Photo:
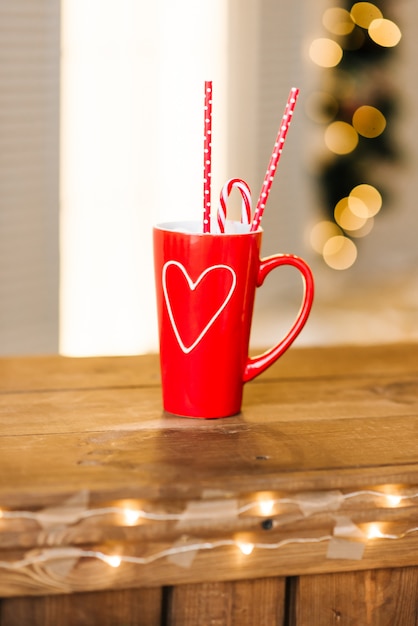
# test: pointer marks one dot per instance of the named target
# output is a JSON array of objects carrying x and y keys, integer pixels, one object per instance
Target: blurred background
[{"x": 101, "y": 136}]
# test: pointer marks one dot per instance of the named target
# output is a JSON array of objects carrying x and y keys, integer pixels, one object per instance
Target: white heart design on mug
[{"x": 193, "y": 285}]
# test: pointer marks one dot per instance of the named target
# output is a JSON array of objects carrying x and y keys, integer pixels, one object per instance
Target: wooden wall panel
[
  {"x": 385, "y": 597},
  {"x": 132, "y": 607},
  {"x": 242, "y": 603}
]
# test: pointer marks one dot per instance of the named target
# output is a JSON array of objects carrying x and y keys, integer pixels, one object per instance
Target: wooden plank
[
  {"x": 103, "y": 442},
  {"x": 386, "y": 597},
  {"x": 140, "y": 408},
  {"x": 130, "y": 607},
  {"x": 242, "y": 603},
  {"x": 207, "y": 457},
  {"x": 166, "y": 567},
  {"x": 57, "y": 372}
]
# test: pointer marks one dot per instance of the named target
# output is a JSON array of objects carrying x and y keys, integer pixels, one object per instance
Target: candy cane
[{"x": 241, "y": 185}]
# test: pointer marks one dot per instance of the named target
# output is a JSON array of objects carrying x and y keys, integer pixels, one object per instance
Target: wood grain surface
[
  {"x": 371, "y": 598},
  {"x": 81, "y": 435}
]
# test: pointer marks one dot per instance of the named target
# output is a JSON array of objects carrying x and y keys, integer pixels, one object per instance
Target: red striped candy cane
[{"x": 241, "y": 185}]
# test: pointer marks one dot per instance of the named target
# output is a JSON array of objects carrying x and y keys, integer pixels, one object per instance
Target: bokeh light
[
  {"x": 369, "y": 121},
  {"x": 363, "y": 13},
  {"x": 345, "y": 217},
  {"x": 351, "y": 48},
  {"x": 338, "y": 21},
  {"x": 385, "y": 33},
  {"x": 358, "y": 207},
  {"x": 341, "y": 138},
  {"x": 365, "y": 199},
  {"x": 339, "y": 252},
  {"x": 321, "y": 232},
  {"x": 364, "y": 230},
  {"x": 325, "y": 52}
]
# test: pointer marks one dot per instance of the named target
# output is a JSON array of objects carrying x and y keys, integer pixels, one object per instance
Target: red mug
[{"x": 205, "y": 287}]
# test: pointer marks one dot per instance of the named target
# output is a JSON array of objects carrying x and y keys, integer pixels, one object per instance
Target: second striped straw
[{"x": 277, "y": 151}]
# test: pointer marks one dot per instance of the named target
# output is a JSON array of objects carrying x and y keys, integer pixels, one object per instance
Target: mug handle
[{"x": 257, "y": 365}]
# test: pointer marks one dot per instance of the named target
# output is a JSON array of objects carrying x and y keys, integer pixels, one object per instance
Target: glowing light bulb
[
  {"x": 266, "y": 507},
  {"x": 373, "y": 532},
  {"x": 113, "y": 560},
  {"x": 393, "y": 500},
  {"x": 131, "y": 516},
  {"x": 246, "y": 548}
]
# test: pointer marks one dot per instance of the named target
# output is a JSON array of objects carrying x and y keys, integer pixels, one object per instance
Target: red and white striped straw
[
  {"x": 277, "y": 151},
  {"x": 241, "y": 185},
  {"x": 207, "y": 156}
]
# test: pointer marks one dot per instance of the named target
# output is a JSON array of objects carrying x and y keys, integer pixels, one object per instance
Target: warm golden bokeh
[
  {"x": 365, "y": 198},
  {"x": 340, "y": 252},
  {"x": 325, "y": 52},
  {"x": 321, "y": 232},
  {"x": 364, "y": 230},
  {"x": 369, "y": 121},
  {"x": 385, "y": 33},
  {"x": 363, "y": 13},
  {"x": 338, "y": 21},
  {"x": 341, "y": 138},
  {"x": 350, "y": 30},
  {"x": 345, "y": 217}
]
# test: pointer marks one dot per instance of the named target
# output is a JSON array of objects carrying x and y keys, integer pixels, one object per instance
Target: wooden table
[{"x": 114, "y": 514}]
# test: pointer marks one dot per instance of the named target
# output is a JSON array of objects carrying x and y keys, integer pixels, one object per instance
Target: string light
[
  {"x": 394, "y": 500},
  {"x": 266, "y": 507},
  {"x": 261, "y": 505},
  {"x": 374, "y": 532},
  {"x": 131, "y": 516},
  {"x": 113, "y": 560},
  {"x": 246, "y": 548}
]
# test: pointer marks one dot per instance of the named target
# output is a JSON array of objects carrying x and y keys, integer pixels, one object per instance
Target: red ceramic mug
[{"x": 205, "y": 285}]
